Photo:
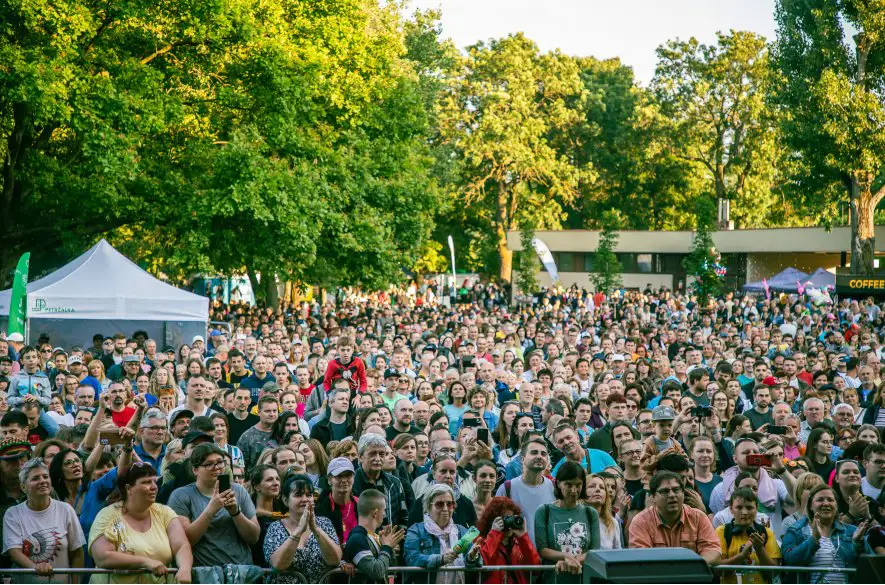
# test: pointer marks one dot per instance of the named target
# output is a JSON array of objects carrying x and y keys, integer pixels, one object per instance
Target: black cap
[
  {"x": 180, "y": 413},
  {"x": 195, "y": 436},
  {"x": 391, "y": 373}
]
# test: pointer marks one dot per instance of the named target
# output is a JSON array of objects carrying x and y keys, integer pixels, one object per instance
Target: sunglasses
[{"x": 444, "y": 505}]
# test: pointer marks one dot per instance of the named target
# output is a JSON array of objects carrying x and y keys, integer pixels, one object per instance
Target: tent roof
[
  {"x": 104, "y": 284},
  {"x": 820, "y": 278},
  {"x": 787, "y": 279}
]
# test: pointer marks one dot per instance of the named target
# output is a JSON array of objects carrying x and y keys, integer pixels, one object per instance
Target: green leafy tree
[
  {"x": 606, "y": 275},
  {"x": 702, "y": 262},
  {"x": 288, "y": 140},
  {"x": 626, "y": 140},
  {"x": 527, "y": 262},
  {"x": 715, "y": 99},
  {"x": 831, "y": 55},
  {"x": 504, "y": 105}
]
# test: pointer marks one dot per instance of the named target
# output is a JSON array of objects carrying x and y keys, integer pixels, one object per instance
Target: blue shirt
[
  {"x": 144, "y": 456},
  {"x": 95, "y": 502},
  {"x": 594, "y": 461}
]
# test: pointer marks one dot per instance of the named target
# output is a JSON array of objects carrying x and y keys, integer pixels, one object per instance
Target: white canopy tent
[{"x": 102, "y": 291}]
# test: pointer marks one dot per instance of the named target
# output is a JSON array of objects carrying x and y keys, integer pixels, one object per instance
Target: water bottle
[{"x": 464, "y": 543}]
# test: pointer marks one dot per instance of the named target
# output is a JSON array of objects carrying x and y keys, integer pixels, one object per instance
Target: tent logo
[{"x": 40, "y": 307}]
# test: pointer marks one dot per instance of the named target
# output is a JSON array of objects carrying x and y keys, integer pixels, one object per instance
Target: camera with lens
[
  {"x": 513, "y": 522},
  {"x": 702, "y": 411}
]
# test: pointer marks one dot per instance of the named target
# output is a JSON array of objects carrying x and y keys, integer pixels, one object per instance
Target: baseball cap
[
  {"x": 616, "y": 357},
  {"x": 180, "y": 413},
  {"x": 75, "y": 359},
  {"x": 196, "y": 437},
  {"x": 131, "y": 358},
  {"x": 12, "y": 449},
  {"x": 198, "y": 338},
  {"x": 599, "y": 356},
  {"x": 339, "y": 465},
  {"x": 391, "y": 373},
  {"x": 663, "y": 413},
  {"x": 16, "y": 337}
]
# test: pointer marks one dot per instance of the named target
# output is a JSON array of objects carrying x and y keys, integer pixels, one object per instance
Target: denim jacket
[
  {"x": 421, "y": 549},
  {"x": 798, "y": 547}
]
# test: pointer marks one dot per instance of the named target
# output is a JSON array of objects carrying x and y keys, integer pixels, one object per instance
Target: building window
[
  {"x": 588, "y": 261},
  {"x": 644, "y": 263},
  {"x": 566, "y": 262}
]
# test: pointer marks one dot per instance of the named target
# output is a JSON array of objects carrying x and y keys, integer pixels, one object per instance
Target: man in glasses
[
  {"x": 670, "y": 523},
  {"x": 152, "y": 447}
]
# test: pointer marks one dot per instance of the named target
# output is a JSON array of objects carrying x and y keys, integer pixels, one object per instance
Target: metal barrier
[
  {"x": 532, "y": 570},
  {"x": 169, "y": 577},
  {"x": 741, "y": 570}
]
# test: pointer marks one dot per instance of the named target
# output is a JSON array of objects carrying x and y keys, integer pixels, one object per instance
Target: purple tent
[
  {"x": 821, "y": 279},
  {"x": 786, "y": 280}
]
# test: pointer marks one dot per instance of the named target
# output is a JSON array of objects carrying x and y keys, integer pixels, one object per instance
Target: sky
[{"x": 629, "y": 29}]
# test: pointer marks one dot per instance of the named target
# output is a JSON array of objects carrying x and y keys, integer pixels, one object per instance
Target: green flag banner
[{"x": 18, "y": 303}]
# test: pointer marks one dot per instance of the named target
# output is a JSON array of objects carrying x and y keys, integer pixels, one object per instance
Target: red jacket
[
  {"x": 520, "y": 552},
  {"x": 354, "y": 372}
]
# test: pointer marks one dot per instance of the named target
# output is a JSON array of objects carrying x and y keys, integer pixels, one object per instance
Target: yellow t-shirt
[
  {"x": 737, "y": 541},
  {"x": 153, "y": 544}
]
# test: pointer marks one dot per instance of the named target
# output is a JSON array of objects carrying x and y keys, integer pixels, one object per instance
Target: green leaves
[
  {"x": 500, "y": 119},
  {"x": 833, "y": 87}
]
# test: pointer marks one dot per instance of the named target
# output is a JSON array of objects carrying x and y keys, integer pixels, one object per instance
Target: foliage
[
  {"x": 279, "y": 138},
  {"x": 622, "y": 137},
  {"x": 606, "y": 275},
  {"x": 833, "y": 87},
  {"x": 715, "y": 99},
  {"x": 703, "y": 261},
  {"x": 498, "y": 117},
  {"x": 527, "y": 262}
]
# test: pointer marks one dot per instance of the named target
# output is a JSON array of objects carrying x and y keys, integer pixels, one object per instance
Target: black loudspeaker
[
  {"x": 646, "y": 565},
  {"x": 870, "y": 569}
]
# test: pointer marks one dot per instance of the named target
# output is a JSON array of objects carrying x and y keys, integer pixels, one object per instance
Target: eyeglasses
[
  {"x": 156, "y": 428},
  {"x": 214, "y": 464},
  {"x": 631, "y": 453},
  {"x": 444, "y": 505},
  {"x": 72, "y": 462},
  {"x": 668, "y": 491}
]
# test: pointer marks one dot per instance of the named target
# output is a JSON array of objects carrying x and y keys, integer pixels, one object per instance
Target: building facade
[{"x": 656, "y": 257}]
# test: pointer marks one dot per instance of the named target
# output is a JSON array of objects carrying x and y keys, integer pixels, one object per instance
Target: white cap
[
  {"x": 16, "y": 337},
  {"x": 616, "y": 357},
  {"x": 198, "y": 338}
]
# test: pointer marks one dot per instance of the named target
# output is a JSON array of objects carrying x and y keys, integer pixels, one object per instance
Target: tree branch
[{"x": 164, "y": 50}]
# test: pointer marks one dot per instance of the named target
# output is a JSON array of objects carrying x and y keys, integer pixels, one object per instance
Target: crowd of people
[{"x": 414, "y": 429}]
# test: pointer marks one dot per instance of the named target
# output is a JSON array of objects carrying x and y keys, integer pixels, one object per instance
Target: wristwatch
[{"x": 237, "y": 513}]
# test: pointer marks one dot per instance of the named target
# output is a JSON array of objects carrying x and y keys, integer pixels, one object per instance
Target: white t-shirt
[
  {"x": 206, "y": 411},
  {"x": 868, "y": 490},
  {"x": 46, "y": 536},
  {"x": 529, "y": 499}
]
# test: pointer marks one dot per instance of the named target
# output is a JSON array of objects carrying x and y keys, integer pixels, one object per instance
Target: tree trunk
[
  {"x": 272, "y": 291},
  {"x": 863, "y": 231},
  {"x": 257, "y": 291},
  {"x": 502, "y": 224}
]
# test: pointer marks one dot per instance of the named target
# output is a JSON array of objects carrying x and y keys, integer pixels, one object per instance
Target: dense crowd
[{"x": 431, "y": 430}]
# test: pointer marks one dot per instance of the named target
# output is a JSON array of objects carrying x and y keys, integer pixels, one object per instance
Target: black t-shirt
[
  {"x": 235, "y": 379},
  {"x": 825, "y": 470},
  {"x": 338, "y": 430},
  {"x": 633, "y": 486},
  {"x": 392, "y": 433},
  {"x": 237, "y": 427}
]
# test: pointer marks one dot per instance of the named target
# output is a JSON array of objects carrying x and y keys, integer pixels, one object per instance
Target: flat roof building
[{"x": 656, "y": 257}]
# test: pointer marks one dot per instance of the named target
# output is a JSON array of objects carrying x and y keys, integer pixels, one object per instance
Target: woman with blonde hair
[
  {"x": 599, "y": 496},
  {"x": 315, "y": 460},
  {"x": 95, "y": 368}
]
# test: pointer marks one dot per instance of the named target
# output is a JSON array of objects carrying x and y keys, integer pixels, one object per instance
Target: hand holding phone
[
  {"x": 482, "y": 435},
  {"x": 223, "y": 483}
]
